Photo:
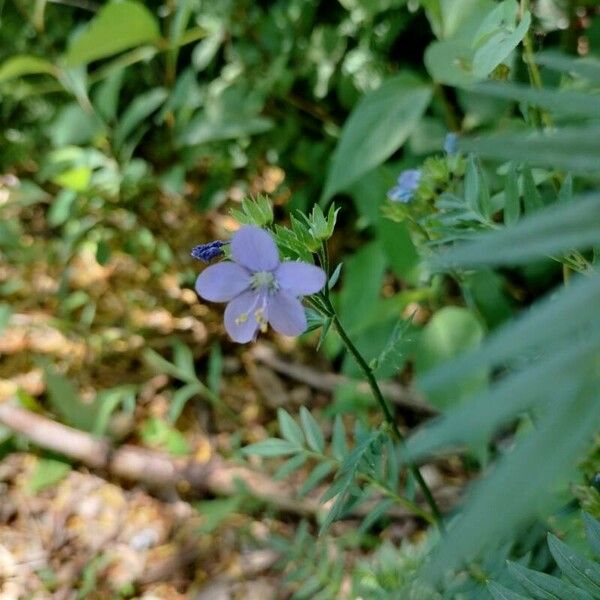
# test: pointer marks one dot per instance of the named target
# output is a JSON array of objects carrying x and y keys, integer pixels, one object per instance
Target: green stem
[
  {"x": 387, "y": 413},
  {"x": 541, "y": 116}
]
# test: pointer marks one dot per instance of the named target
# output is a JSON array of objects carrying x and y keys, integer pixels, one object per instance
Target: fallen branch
[
  {"x": 150, "y": 467},
  {"x": 327, "y": 382},
  {"x": 158, "y": 470}
]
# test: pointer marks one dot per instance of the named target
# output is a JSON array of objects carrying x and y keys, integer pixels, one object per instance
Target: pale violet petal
[
  {"x": 240, "y": 322},
  {"x": 300, "y": 278},
  {"x": 286, "y": 314},
  {"x": 255, "y": 249},
  {"x": 222, "y": 282}
]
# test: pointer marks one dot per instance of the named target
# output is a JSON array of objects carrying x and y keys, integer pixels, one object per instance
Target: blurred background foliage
[{"x": 130, "y": 130}]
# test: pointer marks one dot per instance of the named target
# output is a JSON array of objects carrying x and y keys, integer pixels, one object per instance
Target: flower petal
[
  {"x": 239, "y": 318},
  {"x": 300, "y": 278},
  {"x": 255, "y": 249},
  {"x": 222, "y": 282},
  {"x": 286, "y": 314}
]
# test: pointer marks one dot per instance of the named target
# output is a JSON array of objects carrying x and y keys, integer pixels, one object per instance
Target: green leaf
[
  {"x": 65, "y": 401},
  {"x": 215, "y": 512},
  {"x": 552, "y": 230},
  {"x": 140, "y": 109},
  {"x": 116, "y": 27},
  {"x": 592, "y": 529},
  {"x": 316, "y": 476},
  {"x": 544, "y": 586},
  {"x": 47, "y": 472},
  {"x": 450, "y": 62},
  {"x": 498, "y": 47},
  {"x": 575, "y": 149},
  {"x": 339, "y": 447},
  {"x": 106, "y": 97},
  {"x": 25, "y": 64},
  {"x": 377, "y": 127},
  {"x": 181, "y": 398},
  {"x": 271, "y": 447},
  {"x": 512, "y": 202},
  {"x": 159, "y": 434},
  {"x": 499, "y": 592},
  {"x": 290, "y": 465},
  {"x": 579, "y": 570},
  {"x": 289, "y": 429},
  {"x": 314, "y": 435},
  {"x": 524, "y": 479},
  {"x": 451, "y": 331}
]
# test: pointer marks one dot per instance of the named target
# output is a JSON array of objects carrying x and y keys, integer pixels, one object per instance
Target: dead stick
[{"x": 140, "y": 465}]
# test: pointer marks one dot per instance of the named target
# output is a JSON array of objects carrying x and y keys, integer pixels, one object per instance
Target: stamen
[{"x": 241, "y": 319}]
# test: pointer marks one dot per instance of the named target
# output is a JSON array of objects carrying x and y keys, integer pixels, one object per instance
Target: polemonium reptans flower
[
  {"x": 258, "y": 288},
  {"x": 451, "y": 143},
  {"x": 407, "y": 183},
  {"x": 206, "y": 252}
]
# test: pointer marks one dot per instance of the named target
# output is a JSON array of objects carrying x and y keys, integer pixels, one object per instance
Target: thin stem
[
  {"x": 541, "y": 116},
  {"x": 387, "y": 413}
]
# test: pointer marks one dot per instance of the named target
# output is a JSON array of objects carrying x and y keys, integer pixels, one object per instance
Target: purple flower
[
  {"x": 258, "y": 288},
  {"x": 451, "y": 143},
  {"x": 407, "y": 183},
  {"x": 206, "y": 252}
]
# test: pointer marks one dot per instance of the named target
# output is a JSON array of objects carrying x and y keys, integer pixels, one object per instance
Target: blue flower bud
[{"x": 206, "y": 252}]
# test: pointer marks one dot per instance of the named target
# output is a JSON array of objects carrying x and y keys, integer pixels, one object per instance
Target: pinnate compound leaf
[
  {"x": 579, "y": 570},
  {"x": 543, "y": 586},
  {"x": 499, "y": 592},
  {"x": 377, "y": 127}
]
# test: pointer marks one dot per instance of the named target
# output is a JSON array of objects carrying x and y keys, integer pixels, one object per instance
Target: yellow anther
[{"x": 241, "y": 319}]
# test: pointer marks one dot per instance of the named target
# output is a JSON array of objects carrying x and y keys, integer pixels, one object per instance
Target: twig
[
  {"x": 327, "y": 382},
  {"x": 158, "y": 470}
]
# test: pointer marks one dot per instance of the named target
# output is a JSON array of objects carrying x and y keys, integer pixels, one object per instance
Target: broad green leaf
[
  {"x": 271, "y": 447},
  {"x": 451, "y": 331},
  {"x": 579, "y": 570},
  {"x": 116, "y": 27},
  {"x": 451, "y": 62},
  {"x": 312, "y": 430},
  {"x": 289, "y": 429},
  {"x": 496, "y": 49},
  {"x": 543, "y": 586},
  {"x": 47, "y": 472},
  {"x": 377, "y": 127},
  {"x": 25, "y": 64},
  {"x": 543, "y": 326}
]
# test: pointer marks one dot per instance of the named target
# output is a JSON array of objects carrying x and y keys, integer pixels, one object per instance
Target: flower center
[{"x": 264, "y": 280}]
